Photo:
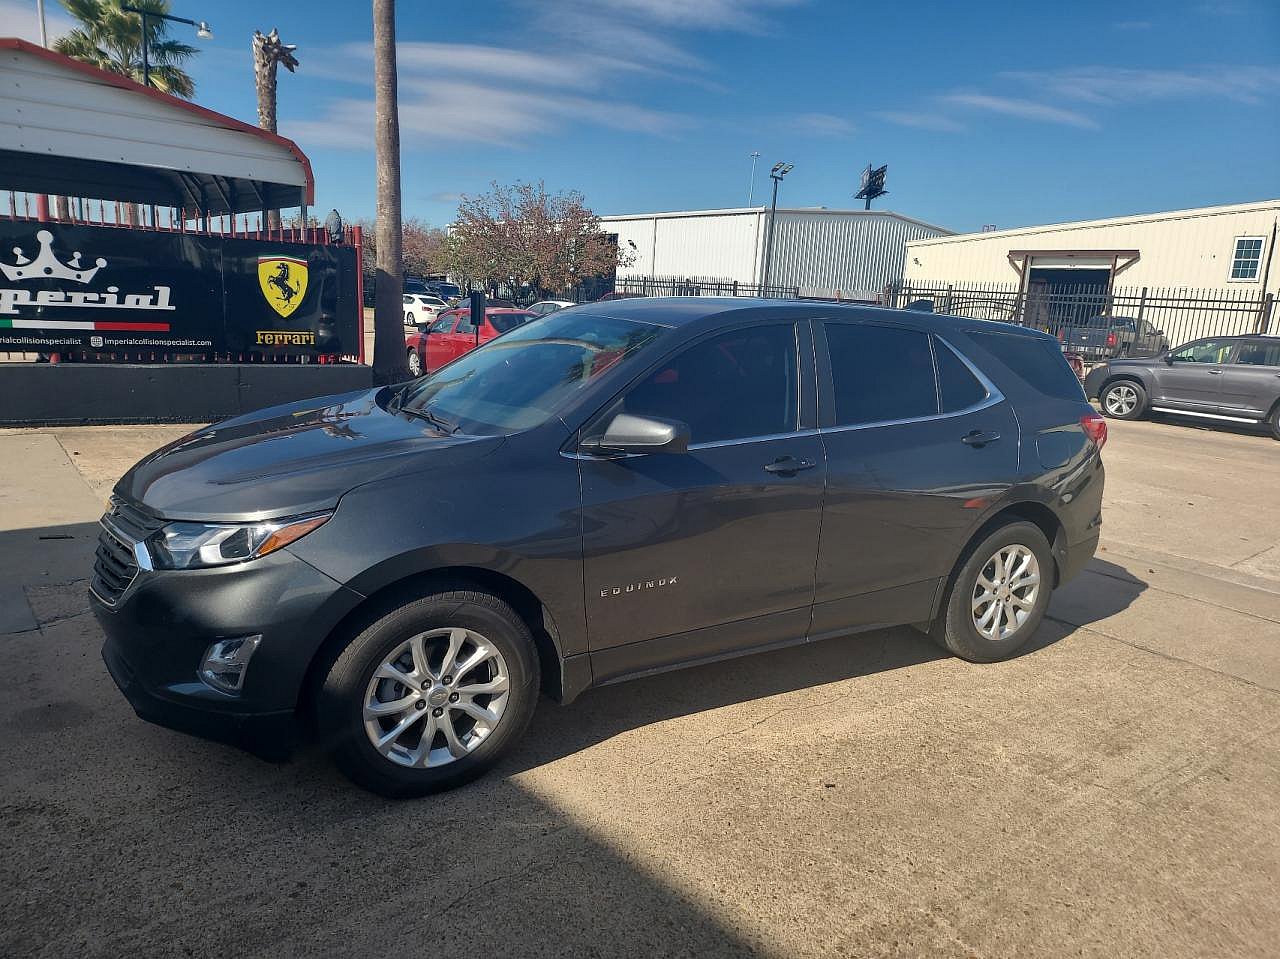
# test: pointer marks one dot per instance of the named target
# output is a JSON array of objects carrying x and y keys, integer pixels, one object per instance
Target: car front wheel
[
  {"x": 415, "y": 363},
  {"x": 1123, "y": 400},
  {"x": 998, "y": 595},
  {"x": 431, "y": 694}
]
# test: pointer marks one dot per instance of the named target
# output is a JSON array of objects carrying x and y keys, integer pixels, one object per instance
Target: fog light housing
[{"x": 226, "y": 662}]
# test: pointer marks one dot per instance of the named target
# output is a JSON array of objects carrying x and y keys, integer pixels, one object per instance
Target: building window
[{"x": 1246, "y": 262}]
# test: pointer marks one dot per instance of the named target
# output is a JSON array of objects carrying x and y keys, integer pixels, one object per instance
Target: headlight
[{"x": 197, "y": 545}]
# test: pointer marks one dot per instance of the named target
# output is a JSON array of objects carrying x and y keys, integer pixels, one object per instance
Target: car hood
[{"x": 292, "y": 459}]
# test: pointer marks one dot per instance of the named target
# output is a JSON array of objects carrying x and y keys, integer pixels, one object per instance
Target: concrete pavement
[{"x": 1112, "y": 792}]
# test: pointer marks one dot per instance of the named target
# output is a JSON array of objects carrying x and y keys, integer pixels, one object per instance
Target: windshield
[{"x": 522, "y": 378}]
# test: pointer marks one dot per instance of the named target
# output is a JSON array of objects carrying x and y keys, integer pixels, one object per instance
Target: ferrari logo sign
[{"x": 283, "y": 280}]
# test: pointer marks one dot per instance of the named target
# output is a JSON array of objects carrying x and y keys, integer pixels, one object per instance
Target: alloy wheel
[
  {"x": 1121, "y": 400},
  {"x": 415, "y": 363},
  {"x": 436, "y": 698},
  {"x": 1005, "y": 592}
]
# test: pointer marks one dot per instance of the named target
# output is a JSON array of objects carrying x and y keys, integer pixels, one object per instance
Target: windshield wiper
[{"x": 439, "y": 422}]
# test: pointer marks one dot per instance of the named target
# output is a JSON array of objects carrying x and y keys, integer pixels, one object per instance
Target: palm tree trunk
[
  {"x": 264, "y": 75},
  {"x": 389, "y": 364}
]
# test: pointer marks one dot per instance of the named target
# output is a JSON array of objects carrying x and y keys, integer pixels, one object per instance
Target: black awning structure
[{"x": 70, "y": 129}]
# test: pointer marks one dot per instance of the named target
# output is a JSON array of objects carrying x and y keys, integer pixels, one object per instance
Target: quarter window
[
  {"x": 958, "y": 388},
  {"x": 880, "y": 373},
  {"x": 1246, "y": 261},
  {"x": 733, "y": 386}
]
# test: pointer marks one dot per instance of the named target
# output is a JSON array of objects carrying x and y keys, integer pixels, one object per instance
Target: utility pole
[
  {"x": 751, "y": 190},
  {"x": 779, "y": 171}
]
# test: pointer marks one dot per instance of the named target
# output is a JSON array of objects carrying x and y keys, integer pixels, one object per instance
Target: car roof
[{"x": 714, "y": 311}]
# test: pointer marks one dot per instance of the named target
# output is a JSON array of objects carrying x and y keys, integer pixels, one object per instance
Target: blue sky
[{"x": 1005, "y": 113}]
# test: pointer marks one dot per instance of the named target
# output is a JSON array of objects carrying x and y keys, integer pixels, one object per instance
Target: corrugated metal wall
[
  {"x": 825, "y": 253},
  {"x": 852, "y": 255}
]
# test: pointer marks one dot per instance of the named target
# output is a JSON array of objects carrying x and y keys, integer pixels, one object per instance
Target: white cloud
[
  {"x": 822, "y": 125},
  {"x": 921, "y": 121},
  {"x": 1132, "y": 25},
  {"x": 1022, "y": 109},
  {"x": 1109, "y": 85},
  {"x": 18, "y": 19},
  {"x": 432, "y": 112}
]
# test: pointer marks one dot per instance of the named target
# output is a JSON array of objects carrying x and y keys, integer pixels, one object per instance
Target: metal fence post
[
  {"x": 1264, "y": 313},
  {"x": 1142, "y": 303}
]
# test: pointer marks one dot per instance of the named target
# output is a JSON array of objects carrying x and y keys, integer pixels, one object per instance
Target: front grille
[{"x": 115, "y": 567}]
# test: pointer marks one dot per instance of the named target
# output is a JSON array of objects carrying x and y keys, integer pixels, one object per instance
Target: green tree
[{"x": 111, "y": 40}]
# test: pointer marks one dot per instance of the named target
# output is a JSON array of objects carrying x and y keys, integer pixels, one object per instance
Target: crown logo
[{"x": 48, "y": 266}]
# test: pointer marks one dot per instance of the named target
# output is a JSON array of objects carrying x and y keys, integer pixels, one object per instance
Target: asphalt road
[{"x": 1112, "y": 792}]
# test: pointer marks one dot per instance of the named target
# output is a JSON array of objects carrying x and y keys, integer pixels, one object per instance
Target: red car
[{"x": 452, "y": 334}]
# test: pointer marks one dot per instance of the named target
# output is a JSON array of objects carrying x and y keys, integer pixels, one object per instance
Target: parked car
[
  {"x": 615, "y": 491},
  {"x": 446, "y": 291},
  {"x": 1234, "y": 378},
  {"x": 1075, "y": 361},
  {"x": 543, "y": 307},
  {"x": 453, "y": 334},
  {"x": 1106, "y": 337},
  {"x": 422, "y": 308}
]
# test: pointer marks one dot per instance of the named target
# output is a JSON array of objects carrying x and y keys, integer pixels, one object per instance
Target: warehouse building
[
  {"x": 1205, "y": 270},
  {"x": 846, "y": 254}
]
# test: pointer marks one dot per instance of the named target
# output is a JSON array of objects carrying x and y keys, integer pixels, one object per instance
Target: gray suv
[
  {"x": 1231, "y": 378},
  {"x": 615, "y": 490}
]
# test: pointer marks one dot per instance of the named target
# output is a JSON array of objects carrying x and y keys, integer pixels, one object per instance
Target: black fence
[
  {"x": 1172, "y": 314},
  {"x": 696, "y": 286}
]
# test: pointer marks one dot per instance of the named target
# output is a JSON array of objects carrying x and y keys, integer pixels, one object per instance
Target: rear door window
[
  {"x": 1259, "y": 354},
  {"x": 880, "y": 373},
  {"x": 1037, "y": 361}
]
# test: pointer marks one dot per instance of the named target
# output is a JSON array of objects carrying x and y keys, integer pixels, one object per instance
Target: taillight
[
  {"x": 1095, "y": 427},
  {"x": 1062, "y": 335},
  {"x": 1111, "y": 339}
]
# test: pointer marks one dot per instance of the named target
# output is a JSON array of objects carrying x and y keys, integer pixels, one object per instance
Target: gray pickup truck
[{"x": 1109, "y": 337}]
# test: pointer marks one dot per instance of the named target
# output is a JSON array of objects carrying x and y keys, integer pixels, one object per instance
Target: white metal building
[
  {"x": 847, "y": 253},
  {"x": 1217, "y": 247}
]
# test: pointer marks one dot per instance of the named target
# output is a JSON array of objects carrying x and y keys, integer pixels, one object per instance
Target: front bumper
[{"x": 161, "y": 627}]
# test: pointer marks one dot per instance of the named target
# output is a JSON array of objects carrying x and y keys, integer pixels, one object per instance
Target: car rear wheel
[
  {"x": 408, "y": 319},
  {"x": 415, "y": 363},
  {"x": 431, "y": 694},
  {"x": 998, "y": 595},
  {"x": 1273, "y": 421},
  {"x": 1123, "y": 400}
]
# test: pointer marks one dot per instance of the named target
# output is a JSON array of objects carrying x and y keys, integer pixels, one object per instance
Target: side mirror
[
  {"x": 639, "y": 434},
  {"x": 1168, "y": 358}
]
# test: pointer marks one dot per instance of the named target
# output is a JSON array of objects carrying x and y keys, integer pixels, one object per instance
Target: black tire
[
  {"x": 1122, "y": 393},
  {"x": 414, "y": 362},
  {"x": 340, "y": 701},
  {"x": 408, "y": 319},
  {"x": 1273, "y": 422},
  {"x": 954, "y": 628}
]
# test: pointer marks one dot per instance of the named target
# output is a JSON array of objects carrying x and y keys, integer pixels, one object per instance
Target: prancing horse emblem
[{"x": 283, "y": 280}]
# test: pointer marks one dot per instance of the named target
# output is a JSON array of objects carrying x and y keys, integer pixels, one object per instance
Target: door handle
[
  {"x": 979, "y": 438},
  {"x": 786, "y": 465},
  {"x": 1215, "y": 372}
]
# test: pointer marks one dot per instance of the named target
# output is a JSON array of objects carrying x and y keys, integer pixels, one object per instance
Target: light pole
[
  {"x": 776, "y": 174},
  {"x": 751, "y": 190},
  {"x": 203, "y": 31}
]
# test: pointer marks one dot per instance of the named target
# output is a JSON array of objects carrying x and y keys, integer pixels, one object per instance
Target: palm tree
[
  {"x": 111, "y": 40},
  {"x": 389, "y": 358},
  {"x": 269, "y": 53}
]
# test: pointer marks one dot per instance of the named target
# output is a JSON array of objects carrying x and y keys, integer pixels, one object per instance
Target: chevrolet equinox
[{"x": 606, "y": 492}]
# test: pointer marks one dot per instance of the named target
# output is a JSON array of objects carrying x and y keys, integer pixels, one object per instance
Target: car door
[
  {"x": 439, "y": 350},
  {"x": 464, "y": 335},
  {"x": 1251, "y": 385},
  {"x": 695, "y": 555},
  {"x": 918, "y": 443},
  {"x": 1191, "y": 379}
]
